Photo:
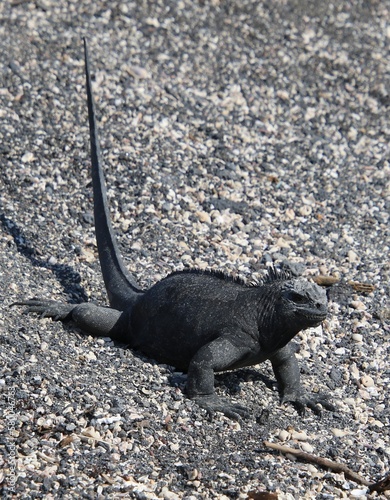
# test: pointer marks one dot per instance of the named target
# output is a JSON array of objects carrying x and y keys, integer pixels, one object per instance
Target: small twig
[
  {"x": 322, "y": 462},
  {"x": 379, "y": 486}
]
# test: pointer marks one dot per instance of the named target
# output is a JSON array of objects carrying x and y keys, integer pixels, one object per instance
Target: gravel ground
[{"x": 235, "y": 134}]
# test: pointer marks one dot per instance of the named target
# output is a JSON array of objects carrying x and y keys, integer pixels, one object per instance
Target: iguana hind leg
[{"x": 98, "y": 321}]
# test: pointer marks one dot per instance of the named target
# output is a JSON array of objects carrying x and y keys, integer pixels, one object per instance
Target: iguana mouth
[{"x": 316, "y": 318}]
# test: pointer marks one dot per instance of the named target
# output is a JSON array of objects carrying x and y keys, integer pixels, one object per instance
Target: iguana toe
[
  {"x": 46, "y": 308},
  {"x": 313, "y": 402},
  {"x": 212, "y": 403}
]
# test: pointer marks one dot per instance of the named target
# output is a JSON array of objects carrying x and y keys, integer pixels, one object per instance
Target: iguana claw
[
  {"x": 213, "y": 403},
  {"x": 313, "y": 401},
  {"x": 46, "y": 308}
]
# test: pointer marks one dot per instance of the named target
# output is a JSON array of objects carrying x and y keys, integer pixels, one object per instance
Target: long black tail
[{"x": 122, "y": 290}]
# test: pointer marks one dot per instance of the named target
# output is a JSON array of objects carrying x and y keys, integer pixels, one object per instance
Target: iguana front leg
[
  {"x": 219, "y": 355},
  {"x": 286, "y": 369},
  {"x": 98, "y": 321}
]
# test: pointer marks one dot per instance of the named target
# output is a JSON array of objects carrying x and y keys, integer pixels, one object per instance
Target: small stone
[
  {"x": 137, "y": 72},
  {"x": 354, "y": 371},
  {"x": 352, "y": 256},
  {"x": 352, "y": 134},
  {"x": 306, "y": 447},
  {"x": 90, "y": 356},
  {"x": 204, "y": 217},
  {"x": 169, "y": 495},
  {"x": 357, "y": 337},
  {"x": 284, "y": 435},
  {"x": 167, "y": 207},
  {"x": 290, "y": 213},
  {"x": 357, "y": 304},
  {"x": 367, "y": 381},
  {"x": 358, "y": 493},
  {"x": 258, "y": 243},
  {"x": 361, "y": 417},
  {"x": 377, "y": 423},
  {"x": 339, "y": 432},
  {"x": 52, "y": 261},
  {"x": 91, "y": 432},
  {"x": 282, "y": 94},
  {"x": 305, "y": 210},
  {"x": 364, "y": 394},
  {"x": 348, "y": 239},
  {"x": 152, "y": 21},
  {"x": 282, "y": 243},
  {"x": 299, "y": 436},
  {"x": 183, "y": 246},
  {"x": 87, "y": 255},
  {"x": 27, "y": 157},
  {"x": 125, "y": 226},
  {"x": 310, "y": 114},
  {"x": 192, "y": 474}
]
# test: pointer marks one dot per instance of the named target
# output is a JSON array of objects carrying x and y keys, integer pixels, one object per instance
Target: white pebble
[
  {"x": 357, "y": 304},
  {"x": 310, "y": 114},
  {"x": 169, "y": 495},
  {"x": 358, "y": 493},
  {"x": 305, "y": 210},
  {"x": 339, "y": 432},
  {"x": 306, "y": 447},
  {"x": 352, "y": 256},
  {"x": 367, "y": 381},
  {"x": 27, "y": 157},
  {"x": 203, "y": 217},
  {"x": 284, "y": 435},
  {"x": 348, "y": 239},
  {"x": 90, "y": 356},
  {"x": 299, "y": 436}
]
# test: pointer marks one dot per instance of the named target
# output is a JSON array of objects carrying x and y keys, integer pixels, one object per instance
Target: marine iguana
[{"x": 201, "y": 322}]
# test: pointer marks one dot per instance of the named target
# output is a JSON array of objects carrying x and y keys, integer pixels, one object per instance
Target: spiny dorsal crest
[{"x": 276, "y": 274}]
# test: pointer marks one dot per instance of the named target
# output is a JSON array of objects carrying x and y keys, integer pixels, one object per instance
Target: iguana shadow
[
  {"x": 66, "y": 276},
  {"x": 231, "y": 381}
]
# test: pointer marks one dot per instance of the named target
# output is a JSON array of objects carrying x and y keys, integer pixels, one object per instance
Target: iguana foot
[
  {"x": 313, "y": 401},
  {"x": 46, "y": 308},
  {"x": 211, "y": 403}
]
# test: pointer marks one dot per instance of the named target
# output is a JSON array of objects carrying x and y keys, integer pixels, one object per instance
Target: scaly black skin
[{"x": 200, "y": 322}]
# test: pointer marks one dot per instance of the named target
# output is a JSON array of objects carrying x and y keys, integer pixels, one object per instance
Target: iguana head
[{"x": 302, "y": 303}]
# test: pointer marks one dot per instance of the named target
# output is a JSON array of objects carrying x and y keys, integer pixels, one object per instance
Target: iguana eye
[{"x": 298, "y": 299}]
